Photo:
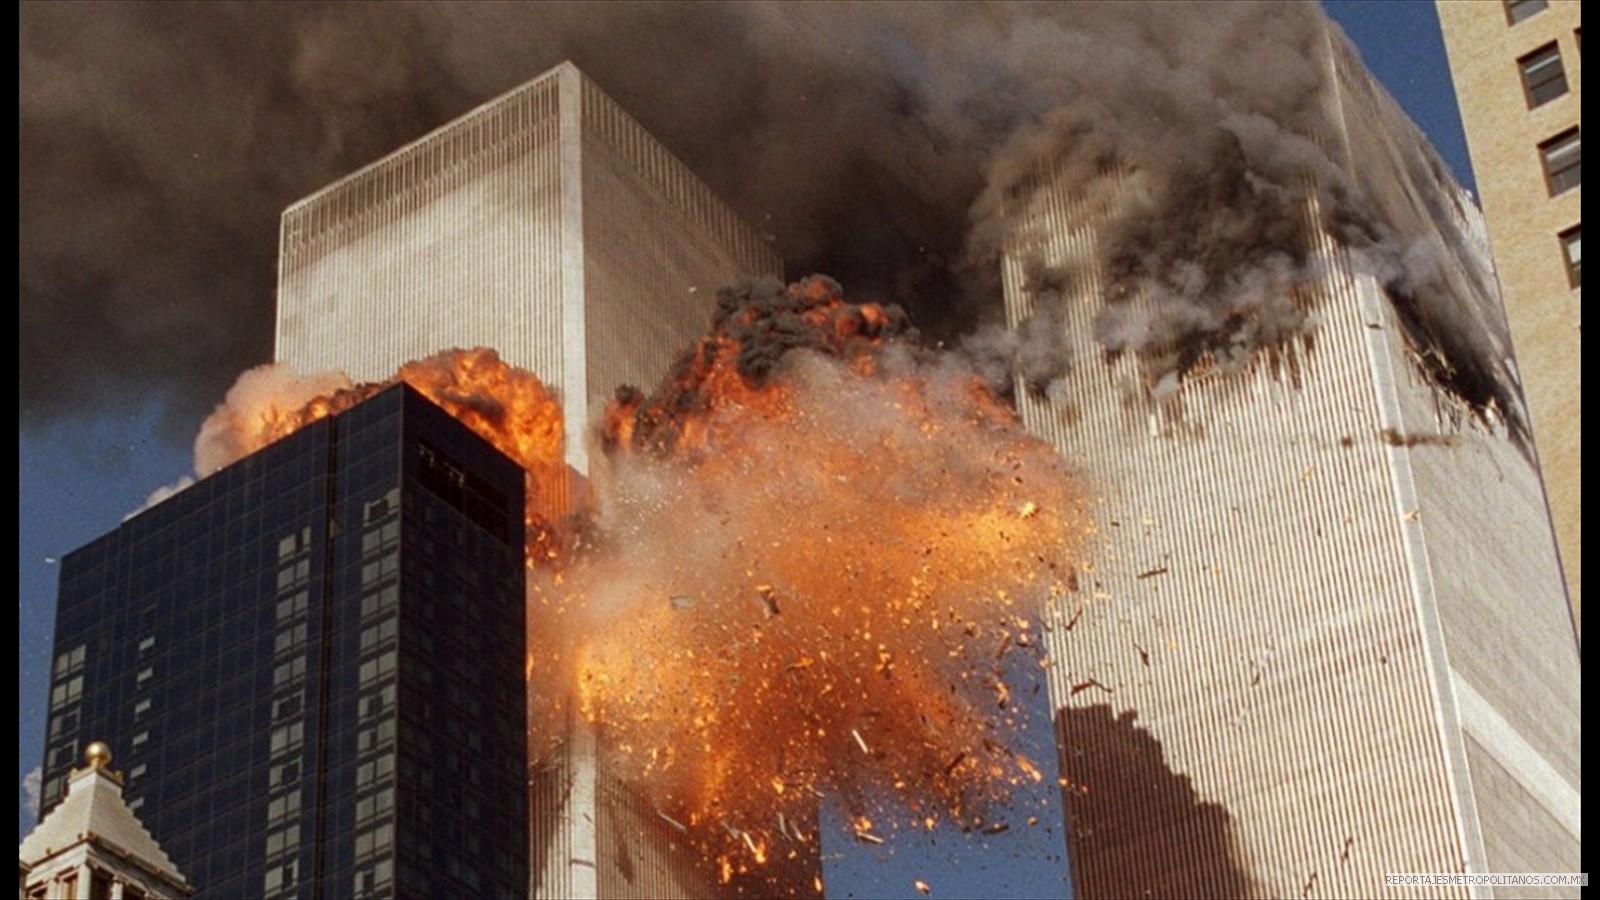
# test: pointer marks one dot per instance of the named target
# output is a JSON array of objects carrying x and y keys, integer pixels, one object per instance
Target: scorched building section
[
  {"x": 1326, "y": 589},
  {"x": 546, "y": 224}
]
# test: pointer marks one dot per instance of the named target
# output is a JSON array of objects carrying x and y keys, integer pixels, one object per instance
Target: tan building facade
[
  {"x": 1324, "y": 623},
  {"x": 1518, "y": 74}
]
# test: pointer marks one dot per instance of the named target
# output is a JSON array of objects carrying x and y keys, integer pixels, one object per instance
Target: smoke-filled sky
[{"x": 159, "y": 142}]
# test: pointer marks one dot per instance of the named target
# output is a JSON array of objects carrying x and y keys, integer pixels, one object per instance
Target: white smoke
[
  {"x": 271, "y": 390},
  {"x": 32, "y": 784}
]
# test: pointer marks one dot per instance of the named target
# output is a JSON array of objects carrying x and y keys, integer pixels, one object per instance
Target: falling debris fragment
[
  {"x": 922, "y": 886},
  {"x": 905, "y": 478},
  {"x": 860, "y": 741},
  {"x": 1027, "y": 766},
  {"x": 868, "y": 837},
  {"x": 769, "y": 599},
  {"x": 1151, "y": 573},
  {"x": 1082, "y": 686},
  {"x": 996, "y": 828}
]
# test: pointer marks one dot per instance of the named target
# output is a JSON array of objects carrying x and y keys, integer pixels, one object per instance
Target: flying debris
[
  {"x": 799, "y": 412},
  {"x": 860, "y": 741},
  {"x": 868, "y": 837},
  {"x": 769, "y": 600}
]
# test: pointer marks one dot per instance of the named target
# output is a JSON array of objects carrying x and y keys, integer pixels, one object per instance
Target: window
[
  {"x": 1520, "y": 10},
  {"x": 1543, "y": 78},
  {"x": 1572, "y": 249},
  {"x": 1562, "y": 156},
  {"x": 66, "y": 692},
  {"x": 71, "y": 661}
]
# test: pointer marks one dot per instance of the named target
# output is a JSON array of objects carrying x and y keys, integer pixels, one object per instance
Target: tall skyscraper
[
  {"x": 311, "y": 664},
  {"x": 1518, "y": 72},
  {"x": 548, "y": 225},
  {"x": 1324, "y": 636}
]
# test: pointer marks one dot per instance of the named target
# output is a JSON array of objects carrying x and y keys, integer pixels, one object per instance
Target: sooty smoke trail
[{"x": 877, "y": 142}]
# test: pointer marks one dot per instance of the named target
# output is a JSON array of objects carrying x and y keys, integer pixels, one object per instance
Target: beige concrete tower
[
  {"x": 1324, "y": 635},
  {"x": 1518, "y": 73},
  {"x": 546, "y": 224}
]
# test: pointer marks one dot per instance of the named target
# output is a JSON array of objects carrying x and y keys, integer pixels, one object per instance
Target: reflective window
[
  {"x": 1572, "y": 251},
  {"x": 1520, "y": 10},
  {"x": 1543, "y": 78},
  {"x": 1562, "y": 156}
]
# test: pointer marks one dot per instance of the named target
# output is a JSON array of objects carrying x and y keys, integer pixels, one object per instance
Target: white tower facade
[
  {"x": 1325, "y": 597},
  {"x": 546, "y": 224}
]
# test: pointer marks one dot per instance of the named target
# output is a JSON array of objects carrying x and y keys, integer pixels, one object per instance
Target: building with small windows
[
  {"x": 1518, "y": 71},
  {"x": 93, "y": 847},
  {"x": 1323, "y": 635},
  {"x": 311, "y": 663}
]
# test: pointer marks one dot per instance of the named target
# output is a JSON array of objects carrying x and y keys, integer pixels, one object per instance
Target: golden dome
[{"x": 98, "y": 755}]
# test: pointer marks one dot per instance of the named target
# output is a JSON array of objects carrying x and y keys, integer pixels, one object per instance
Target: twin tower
[{"x": 1322, "y": 635}]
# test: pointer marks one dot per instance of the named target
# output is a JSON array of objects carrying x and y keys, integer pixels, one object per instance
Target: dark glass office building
[{"x": 310, "y": 664}]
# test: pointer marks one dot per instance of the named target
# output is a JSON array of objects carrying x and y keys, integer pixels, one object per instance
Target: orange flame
[
  {"x": 813, "y": 558},
  {"x": 508, "y": 407},
  {"x": 804, "y": 564}
]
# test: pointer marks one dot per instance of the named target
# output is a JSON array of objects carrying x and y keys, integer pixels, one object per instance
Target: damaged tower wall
[
  {"x": 1325, "y": 589},
  {"x": 546, "y": 224}
]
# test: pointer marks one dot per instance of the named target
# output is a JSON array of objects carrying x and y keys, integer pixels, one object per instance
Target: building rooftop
[{"x": 95, "y": 813}]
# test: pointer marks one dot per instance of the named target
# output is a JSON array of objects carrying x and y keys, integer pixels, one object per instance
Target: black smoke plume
[{"x": 873, "y": 141}]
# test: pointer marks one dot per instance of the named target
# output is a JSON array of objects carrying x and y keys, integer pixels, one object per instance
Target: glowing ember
[
  {"x": 860, "y": 525},
  {"x": 508, "y": 407},
  {"x": 806, "y": 567}
]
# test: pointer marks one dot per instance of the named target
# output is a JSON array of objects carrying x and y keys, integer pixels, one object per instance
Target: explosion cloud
[
  {"x": 508, "y": 407},
  {"x": 812, "y": 563}
]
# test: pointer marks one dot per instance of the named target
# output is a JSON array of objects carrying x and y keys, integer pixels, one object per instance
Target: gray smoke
[{"x": 873, "y": 141}]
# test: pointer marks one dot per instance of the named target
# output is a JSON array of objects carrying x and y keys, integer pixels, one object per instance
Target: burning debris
[
  {"x": 805, "y": 442},
  {"x": 508, "y": 407}
]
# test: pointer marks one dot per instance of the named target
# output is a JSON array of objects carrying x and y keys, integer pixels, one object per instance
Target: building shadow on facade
[{"x": 1135, "y": 828}]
